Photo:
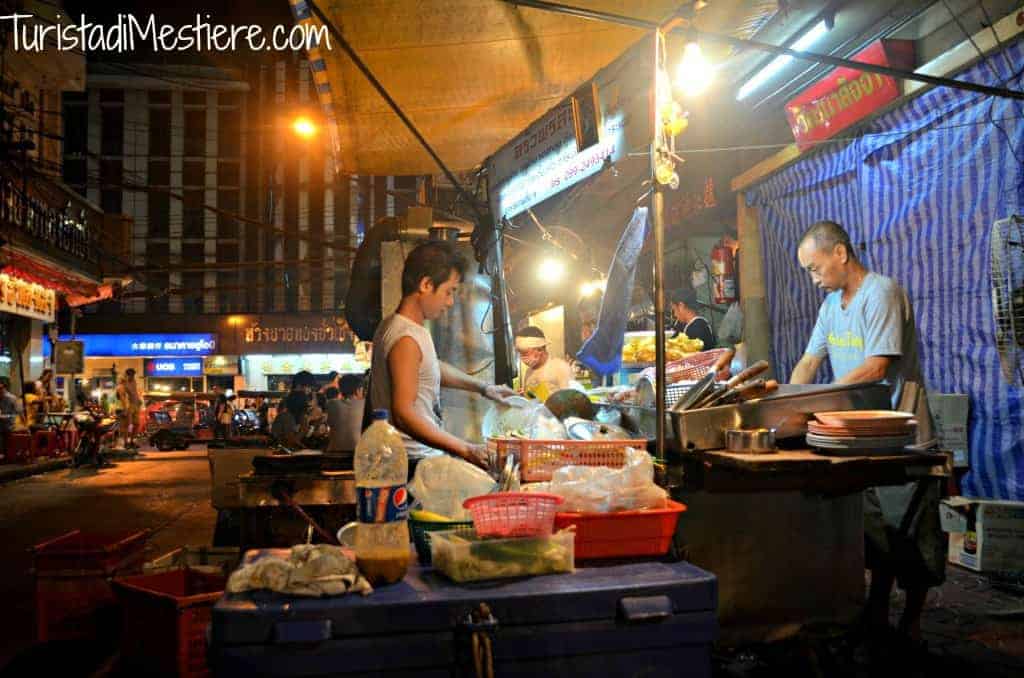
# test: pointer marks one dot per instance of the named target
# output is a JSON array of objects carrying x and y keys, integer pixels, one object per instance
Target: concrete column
[
  {"x": 210, "y": 304},
  {"x": 328, "y": 254},
  {"x": 757, "y": 330},
  {"x": 176, "y": 211}
]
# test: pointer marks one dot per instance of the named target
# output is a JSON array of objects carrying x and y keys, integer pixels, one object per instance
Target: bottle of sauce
[{"x": 381, "y": 471}]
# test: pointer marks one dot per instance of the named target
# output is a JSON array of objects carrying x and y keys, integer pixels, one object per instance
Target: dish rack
[{"x": 539, "y": 459}]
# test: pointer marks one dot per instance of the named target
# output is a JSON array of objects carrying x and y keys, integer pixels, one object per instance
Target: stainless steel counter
[{"x": 787, "y": 411}]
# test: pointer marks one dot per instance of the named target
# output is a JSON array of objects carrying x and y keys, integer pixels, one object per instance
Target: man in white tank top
[{"x": 405, "y": 375}]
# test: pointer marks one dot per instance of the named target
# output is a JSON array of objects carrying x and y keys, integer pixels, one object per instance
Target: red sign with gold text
[{"x": 847, "y": 95}]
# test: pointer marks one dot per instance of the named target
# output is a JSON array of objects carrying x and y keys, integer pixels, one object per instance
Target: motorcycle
[{"x": 95, "y": 430}]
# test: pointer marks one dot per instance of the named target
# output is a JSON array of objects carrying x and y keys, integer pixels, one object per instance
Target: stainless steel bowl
[{"x": 750, "y": 440}]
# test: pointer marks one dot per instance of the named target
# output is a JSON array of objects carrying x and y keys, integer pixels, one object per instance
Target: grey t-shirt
[
  {"x": 345, "y": 417},
  {"x": 878, "y": 322}
]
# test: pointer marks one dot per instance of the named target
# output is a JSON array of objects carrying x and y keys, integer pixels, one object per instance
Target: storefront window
[{"x": 169, "y": 385}]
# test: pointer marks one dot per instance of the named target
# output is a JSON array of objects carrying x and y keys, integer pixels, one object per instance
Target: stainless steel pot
[{"x": 750, "y": 440}]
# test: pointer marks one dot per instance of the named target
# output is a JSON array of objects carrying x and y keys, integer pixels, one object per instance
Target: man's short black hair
[
  {"x": 350, "y": 383},
  {"x": 432, "y": 260},
  {"x": 331, "y": 375},
  {"x": 331, "y": 393},
  {"x": 531, "y": 331},
  {"x": 130, "y": 372},
  {"x": 684, "y": 295},
  {"x": 826, "y": 235},
  {"x": 303, "y": 378}
]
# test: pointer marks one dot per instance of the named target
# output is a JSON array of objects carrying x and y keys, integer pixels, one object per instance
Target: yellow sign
[{"x": 27, "y": 299}]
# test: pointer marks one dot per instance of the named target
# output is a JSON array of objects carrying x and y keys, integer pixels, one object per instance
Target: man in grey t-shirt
[
  {"x": 866, "y": 329},
  {"x": 345, "y": 414}
]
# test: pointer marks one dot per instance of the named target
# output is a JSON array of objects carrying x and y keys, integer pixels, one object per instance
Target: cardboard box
[
  {"x": 949, "y": 413},
  {"x": 984, "y": 535}
]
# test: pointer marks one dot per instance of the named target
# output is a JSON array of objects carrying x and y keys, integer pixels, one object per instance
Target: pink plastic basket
[{"x": 513, "y": 514}]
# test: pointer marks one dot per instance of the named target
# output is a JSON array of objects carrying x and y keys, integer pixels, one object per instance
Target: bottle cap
[{"x": 380, "y": 414}]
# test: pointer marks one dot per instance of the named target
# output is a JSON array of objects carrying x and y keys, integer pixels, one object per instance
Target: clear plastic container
[
  {"x": 465, "y": 557},
  {"x": 381, "y": 471}
]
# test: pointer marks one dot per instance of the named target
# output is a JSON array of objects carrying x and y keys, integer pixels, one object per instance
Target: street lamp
[{"x": 304, "y": 128}]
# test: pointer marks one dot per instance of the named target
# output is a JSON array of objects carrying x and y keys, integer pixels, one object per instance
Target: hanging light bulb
[
  {"x": 551, "y": 270},
  {"x": 695, "y": 72}
]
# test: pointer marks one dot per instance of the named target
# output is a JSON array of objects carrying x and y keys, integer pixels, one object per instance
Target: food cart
[{"x": 752, "y": 519}]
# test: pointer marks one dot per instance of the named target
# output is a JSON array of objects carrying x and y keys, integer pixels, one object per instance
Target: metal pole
[
  {"x": 658, "y": 221},
  {"x": 394, "y": 106},
  {"x": 743, "y": 43},
  {"x": 658, "y": 218}
]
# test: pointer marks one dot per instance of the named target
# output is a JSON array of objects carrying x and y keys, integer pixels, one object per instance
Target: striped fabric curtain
[{"x": 919, "y": 189}]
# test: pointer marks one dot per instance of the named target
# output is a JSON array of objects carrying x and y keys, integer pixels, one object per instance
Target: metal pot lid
[{"x": 592, "y": 430}]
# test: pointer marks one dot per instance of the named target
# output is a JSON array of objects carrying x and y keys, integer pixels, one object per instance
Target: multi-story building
[{"x": 239, "y": 223}]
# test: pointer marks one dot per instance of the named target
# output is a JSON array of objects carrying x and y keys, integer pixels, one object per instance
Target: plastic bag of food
[
  {"x": 599, "y": 489},
  {"x": 442, "y": 483}
]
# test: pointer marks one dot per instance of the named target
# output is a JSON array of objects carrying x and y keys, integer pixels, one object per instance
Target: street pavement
[
  {"x": 972, "y": 628},
  {"x": 168, "y": 492}
]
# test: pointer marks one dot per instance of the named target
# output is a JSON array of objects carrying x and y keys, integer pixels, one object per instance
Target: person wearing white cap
[{"x": 545, "y": 374}]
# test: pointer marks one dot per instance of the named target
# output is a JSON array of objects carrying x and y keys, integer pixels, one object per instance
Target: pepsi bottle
[{"x": 382, "y": 535}]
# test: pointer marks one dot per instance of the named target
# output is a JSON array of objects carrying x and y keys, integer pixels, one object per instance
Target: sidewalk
[{"x": 12, "y": 472}]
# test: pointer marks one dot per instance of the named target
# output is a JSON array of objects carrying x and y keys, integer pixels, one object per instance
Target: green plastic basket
[{"x": 421, "y": 530}]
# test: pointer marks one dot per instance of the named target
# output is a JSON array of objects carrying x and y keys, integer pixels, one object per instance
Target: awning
[
  {"x": 35, "y": 269},
  {"x": 470, "y": 74}
]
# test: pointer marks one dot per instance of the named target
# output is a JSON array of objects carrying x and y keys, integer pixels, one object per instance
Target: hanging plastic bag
[
  {"x": 442, "y": 483},
  {"x": 599, "y": 489}
]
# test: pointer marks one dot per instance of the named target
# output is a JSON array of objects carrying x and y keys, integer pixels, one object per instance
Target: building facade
[
  {"x": 232, "y": 211},
  {"x": 57, "y": 248}
]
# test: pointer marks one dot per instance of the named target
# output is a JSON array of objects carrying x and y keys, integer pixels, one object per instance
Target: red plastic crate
[
  {"x": 539, "y": 459},
  {"x": 72, "y": 580},
  {"x": 166, "y": 616},
  {"x": 625, "y": 534},
  {"x": 85, "y": 551}
]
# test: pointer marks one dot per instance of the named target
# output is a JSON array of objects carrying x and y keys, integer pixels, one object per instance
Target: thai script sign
[
  {"x": 28, "y": 299},
  {"x": 61, "y": 228},
  {"x": 291, "y": 333},
  {"x": 847, "y": 95}
]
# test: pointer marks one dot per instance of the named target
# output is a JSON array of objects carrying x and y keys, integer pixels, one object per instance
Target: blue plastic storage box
[{"x": 643, "y": 619}]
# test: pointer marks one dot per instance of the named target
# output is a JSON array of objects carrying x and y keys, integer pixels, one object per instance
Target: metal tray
[{"x": 787, "y": 411}]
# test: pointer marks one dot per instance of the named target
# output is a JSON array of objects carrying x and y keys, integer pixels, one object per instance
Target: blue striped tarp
[{"x": 919, "y": 189}]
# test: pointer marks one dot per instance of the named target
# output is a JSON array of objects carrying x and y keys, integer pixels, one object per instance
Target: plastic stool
[
  {"x": 44, "y": 444},
  {"x": 19, "y": 448}
]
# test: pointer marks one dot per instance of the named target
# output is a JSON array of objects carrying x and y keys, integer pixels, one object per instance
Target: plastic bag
[
  {"x": 533, "y": 420},
  {"x": 442, "y": 483},
  {"x": 599, "y": 489}
]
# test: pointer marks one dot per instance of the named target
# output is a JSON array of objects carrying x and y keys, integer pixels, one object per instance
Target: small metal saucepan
[{"x": 750, "y": 440}]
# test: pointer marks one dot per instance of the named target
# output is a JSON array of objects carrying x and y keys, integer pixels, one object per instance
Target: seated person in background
[
  {"x": 687, "y": 320},
  {"x": 345, "y": 414},
  {"x": 290, "y": 424},
  {"x": 31, "y": 416},
  {"x": 545, "y": 373}
]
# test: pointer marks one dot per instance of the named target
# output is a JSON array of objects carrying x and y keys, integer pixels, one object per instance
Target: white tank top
[{"x": 428, "y": 391}]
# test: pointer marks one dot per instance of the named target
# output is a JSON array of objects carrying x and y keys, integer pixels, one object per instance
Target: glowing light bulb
[
  {"x": 551, "y": 270},
  {"x": 695, "y": 72}
]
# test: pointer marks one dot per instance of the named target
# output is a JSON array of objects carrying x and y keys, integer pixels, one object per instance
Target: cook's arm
[
  {"x": 872, "y": 369},
  {"x": 806, "y": 369},
  {"x": 453, "y": 377},
  {"x": 403, "y": 365}
]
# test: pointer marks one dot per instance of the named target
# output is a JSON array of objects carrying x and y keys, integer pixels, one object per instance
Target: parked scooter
[{"x": 95, "y": 431}]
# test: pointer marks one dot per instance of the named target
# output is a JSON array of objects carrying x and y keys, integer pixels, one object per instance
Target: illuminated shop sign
[
  {"x": 174, "y": 367},
  {"x": 144, "y": 345}
]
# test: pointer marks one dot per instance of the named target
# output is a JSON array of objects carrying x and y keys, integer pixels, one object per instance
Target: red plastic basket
[
  {"x": 625, "y": 534},
  {"x": 513, "y": 514},
  {"x": 692, "y": 367},
  {"x": 538, "y": 459},
  {"x": 72, "y": 574},
  {"x": 167, "y": 615}
]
